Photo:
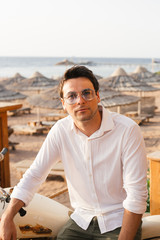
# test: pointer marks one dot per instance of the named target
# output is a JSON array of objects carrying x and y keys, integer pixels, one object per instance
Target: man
[{"x": 105, "y": 165}]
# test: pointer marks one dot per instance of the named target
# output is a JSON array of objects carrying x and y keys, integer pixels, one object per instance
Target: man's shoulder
[
  {"x": 122, "y": 119},
  {"x": 61, "y": 128},
  {"x": 65, "y": 122}
]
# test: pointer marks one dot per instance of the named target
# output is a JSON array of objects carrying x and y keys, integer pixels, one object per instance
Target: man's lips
[{"x": 81, "y": 109}]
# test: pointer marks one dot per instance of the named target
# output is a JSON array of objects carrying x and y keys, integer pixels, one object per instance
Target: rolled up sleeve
[{"x": 38, "y": 171}]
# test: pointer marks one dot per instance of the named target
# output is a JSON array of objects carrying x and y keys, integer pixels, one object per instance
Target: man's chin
[{"x": 83, "y": 118}]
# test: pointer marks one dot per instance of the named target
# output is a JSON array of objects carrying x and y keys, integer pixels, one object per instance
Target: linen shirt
[{"x": 105, "y": 173}]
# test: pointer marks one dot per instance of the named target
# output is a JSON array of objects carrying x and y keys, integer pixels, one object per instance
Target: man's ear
[
  {"x": 63, "y": 105},
  {"x": 98, "y": 97}
]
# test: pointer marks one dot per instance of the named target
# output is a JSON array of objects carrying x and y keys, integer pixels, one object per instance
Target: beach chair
[{"x": 20, "y": 111}]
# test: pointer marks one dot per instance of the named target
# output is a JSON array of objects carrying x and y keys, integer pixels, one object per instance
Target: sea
[{"x": 47, "y": 66}]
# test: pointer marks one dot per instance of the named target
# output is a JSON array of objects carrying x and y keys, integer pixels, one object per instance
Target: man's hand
[
  {"x": 130, "y": 225},
  {"x": 7, "y": 226},
  {"x": 7, "y": 229}
]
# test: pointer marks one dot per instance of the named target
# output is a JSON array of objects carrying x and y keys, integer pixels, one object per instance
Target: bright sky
[{"x": 81, "y": 28}]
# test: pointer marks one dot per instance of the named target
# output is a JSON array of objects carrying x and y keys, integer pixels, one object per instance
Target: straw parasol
[
  {"x": 110, "y": 98},
  {"x": 120, "y": 81},
  {"x": 48, "y": 99},
  {"x": 17, "y": 78},
  {"x": 36, "y": 82},
  {"x": 8, "y": 95},
  {"x": 141, "y": 74}
]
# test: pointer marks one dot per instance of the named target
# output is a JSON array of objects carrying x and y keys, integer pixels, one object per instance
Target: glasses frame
[{"x": 66, "y": 99}]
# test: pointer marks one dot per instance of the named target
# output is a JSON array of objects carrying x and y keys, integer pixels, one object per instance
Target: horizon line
[{"x": 75, "y": 57}]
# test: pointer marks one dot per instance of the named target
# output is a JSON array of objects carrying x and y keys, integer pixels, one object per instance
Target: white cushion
[{"x": 151, "y": 226}]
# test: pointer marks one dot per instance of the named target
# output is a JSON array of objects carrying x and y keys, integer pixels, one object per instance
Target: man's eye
[
  {"x": 71, "y": 96},
  {"x": 86, "y": 93}
]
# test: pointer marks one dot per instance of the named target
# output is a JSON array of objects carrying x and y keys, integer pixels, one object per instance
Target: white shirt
[{"x": 105, "y": 172}]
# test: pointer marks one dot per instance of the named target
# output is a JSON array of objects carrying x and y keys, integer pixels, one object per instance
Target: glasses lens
[
  {"x": 71, "y": 98},
  {"x": 88, "y": 94}
]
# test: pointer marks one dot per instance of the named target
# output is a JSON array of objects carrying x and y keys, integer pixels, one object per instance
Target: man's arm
[
  {"x": 7, "y": 226},
  {"x": 134, "y": 182},
  {"x": 130, "y": 225}
]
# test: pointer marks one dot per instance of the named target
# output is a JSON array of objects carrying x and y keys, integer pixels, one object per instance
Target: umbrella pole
[
  {"x": 38, "y": 112},
  {"x": 139, "y": 108},
  {"x": 118, "y": 109},
  {"x": 139, "y": 104},
  {"x": 38, "y": 116}
]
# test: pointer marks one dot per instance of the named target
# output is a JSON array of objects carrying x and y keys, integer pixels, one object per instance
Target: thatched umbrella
[
  {"x": 107, "y": 93},
  {"x": 110, "y": 98},
  {"x": 36, "y": 82},
  {"x": 8, "y": 95},
  {"x": 141, "y": 74},
  {"x": 9, "y": 82},
  {"x": 48, "y": 99},
  {"x": 44, "y": 101},
  {"x": 120, "y": 81}
]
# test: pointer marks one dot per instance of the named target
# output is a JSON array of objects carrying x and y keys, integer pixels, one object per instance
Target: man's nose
[{"x": 80, "y": 99}]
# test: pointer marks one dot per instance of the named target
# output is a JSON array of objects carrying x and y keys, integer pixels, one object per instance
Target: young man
[{"x": 105, "y": 165}]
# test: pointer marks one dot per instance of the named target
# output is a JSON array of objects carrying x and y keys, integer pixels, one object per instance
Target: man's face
[{"x": 81, "y": 110}]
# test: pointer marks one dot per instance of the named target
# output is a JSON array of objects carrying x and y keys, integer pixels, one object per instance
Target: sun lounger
[
  {"x": 135, "y": 114},
  {"x": 139, "y": 119},
  {"x": 54, "y": 116},
  {"x": 13, "y": 145},
  {"x": 48, "y": 124},
  {"x": 147, "y": 116},
  {"x": 20, "y": 111},
  {"x": 28, "y": 130}
]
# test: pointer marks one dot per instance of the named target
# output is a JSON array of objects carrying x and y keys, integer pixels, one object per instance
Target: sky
[{"x": 80, "y": 28}]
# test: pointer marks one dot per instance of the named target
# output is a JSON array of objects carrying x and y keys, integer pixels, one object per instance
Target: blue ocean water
[{"x": 104, "y": 67}]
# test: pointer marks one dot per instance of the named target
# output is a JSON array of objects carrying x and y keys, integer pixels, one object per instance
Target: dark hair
[{"x": 76, "y": 72}]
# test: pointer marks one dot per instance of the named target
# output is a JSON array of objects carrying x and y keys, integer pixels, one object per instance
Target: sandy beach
[{"x": 28, "y": 146}]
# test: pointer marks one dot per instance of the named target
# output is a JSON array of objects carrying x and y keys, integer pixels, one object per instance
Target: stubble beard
[{"x": 83, "y": 117}]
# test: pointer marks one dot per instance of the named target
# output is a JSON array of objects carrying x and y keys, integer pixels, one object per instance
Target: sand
[{"x": 29, "y": 145}]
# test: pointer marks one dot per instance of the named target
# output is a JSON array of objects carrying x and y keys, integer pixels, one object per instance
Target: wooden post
[
  {"x": 154, "y": 182},
  {"x": 4, "y": 165}
]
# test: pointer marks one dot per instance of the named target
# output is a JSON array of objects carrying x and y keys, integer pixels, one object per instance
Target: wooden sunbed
[
  {"x": 139, "y": 119},
  {"x": 20, "y": 111},
  {"x": 28, "y": 130},
  {"x": 54, "y": 116},
  {"x": 48, "y": 124},
  {"x": 13, "y": 145}
]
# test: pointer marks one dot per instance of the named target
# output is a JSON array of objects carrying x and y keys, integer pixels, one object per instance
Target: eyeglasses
[{"x": 87, "y": 94}]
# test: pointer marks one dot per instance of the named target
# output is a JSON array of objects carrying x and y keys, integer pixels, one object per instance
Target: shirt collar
[{"x": 107, "y": 123}]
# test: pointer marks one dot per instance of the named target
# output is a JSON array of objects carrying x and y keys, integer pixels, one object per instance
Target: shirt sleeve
[
  {"x": 48, "y": 154},
  {"x": 134, "y": 171}
]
